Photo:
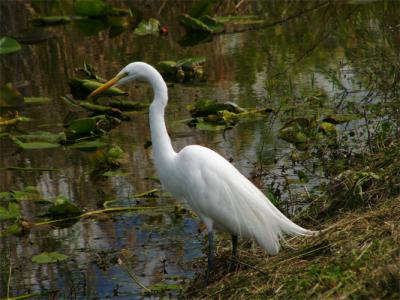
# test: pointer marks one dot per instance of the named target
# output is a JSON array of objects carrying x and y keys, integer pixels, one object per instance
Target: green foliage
[
  {"x": 63, "y": 207},
  {"x": 38, "y": 145},
  {"x": 36, "y": 100},
  {"x": 81, "y": 88},
  {"x": 49, "y": 257},
  {"x": 88, "y": 145},
  {"x": 8, "y": 45},
  {"x": 13, "y": 211},
  {"x": 186, "y": 69},
  {"x": 161, "y": 288},
  {"x": 193, "y": 24},
  {"x": 148, "y": 27}
]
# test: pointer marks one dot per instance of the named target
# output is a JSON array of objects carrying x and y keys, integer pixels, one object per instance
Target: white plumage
[{"x": 222, "y": 197}]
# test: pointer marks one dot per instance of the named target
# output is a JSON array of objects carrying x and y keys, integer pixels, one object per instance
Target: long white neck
[{"x": 161, "y": 143}]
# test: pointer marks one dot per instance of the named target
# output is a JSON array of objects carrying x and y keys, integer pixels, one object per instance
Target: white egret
[{"x": 220, "y": 195}]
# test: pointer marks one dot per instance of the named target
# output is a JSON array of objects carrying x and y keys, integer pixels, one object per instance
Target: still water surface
[{"x": 254, "y": 68}]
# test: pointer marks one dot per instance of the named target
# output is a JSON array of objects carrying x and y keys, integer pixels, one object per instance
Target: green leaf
[
  {"x": 62, "y": 206},
  {"x": 36, "y": 100},
  {"x": 80, "y": 127},
  {"x": 92, "y": 8},
  {"x": 49, "y": 257},
  {"x": 115, "y": 152},
  {"x": 34, "y": 145},
  {"x": 191, "y": 62},
  {"x": 148, "y": 27},
  {"x": 327, "y": 128},
  {"x": 213, "y": 24},
  {"x": 94, "y": 107},
  {"x": 193, "y": 24},
  {"x": 42, "y": 136},
  {"x": 51, "y": 20},
  {"x": 81, "y": 88},
  {"x": 167, "y": 67},
  {"x": 8, "y": 45},
  {"x": 13, "y": 212}
]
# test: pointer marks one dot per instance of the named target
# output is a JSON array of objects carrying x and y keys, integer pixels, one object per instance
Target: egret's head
[{"x": 133, "y": 71}]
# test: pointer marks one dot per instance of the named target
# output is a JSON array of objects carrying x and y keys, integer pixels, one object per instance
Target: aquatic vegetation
[
  {"x": 211, "y": 115},
  {"x": 8, "y": 45},
  {"x": 49, "y": 257},
  {"x": 148, "y": 27},
  {"x": 185, "y": 69}
]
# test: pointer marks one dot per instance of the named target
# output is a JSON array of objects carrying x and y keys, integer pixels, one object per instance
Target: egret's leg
[
  {"x": 234, "y": 245},
  {"x": 210, "y": 257},
  {"x": 232, "y": 263}
]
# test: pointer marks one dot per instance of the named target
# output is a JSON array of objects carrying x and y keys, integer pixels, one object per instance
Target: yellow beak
[{"x": 107, "y": 85}]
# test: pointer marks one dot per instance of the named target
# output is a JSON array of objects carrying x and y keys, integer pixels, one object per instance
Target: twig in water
[{"x": 132, "y": 275}]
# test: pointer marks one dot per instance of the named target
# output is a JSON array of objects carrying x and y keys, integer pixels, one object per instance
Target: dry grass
[{"x": 357, "y": 256}]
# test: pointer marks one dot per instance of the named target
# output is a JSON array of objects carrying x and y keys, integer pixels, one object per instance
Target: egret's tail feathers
[{"x": 273, "y": 225}]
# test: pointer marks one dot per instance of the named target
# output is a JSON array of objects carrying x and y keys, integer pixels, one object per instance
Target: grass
[{"x": 356, "y": 256}]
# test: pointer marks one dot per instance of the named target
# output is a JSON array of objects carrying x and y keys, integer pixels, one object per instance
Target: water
[{"x": 256, "y": 68}]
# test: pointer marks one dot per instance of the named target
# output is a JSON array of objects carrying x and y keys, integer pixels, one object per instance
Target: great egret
[{"x": 221, "y": 196}]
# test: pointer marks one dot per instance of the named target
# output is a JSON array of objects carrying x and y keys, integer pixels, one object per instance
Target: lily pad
[
  {"x": 62, "y": 206},
  {"x": 213, "y": 24},
  {"x": 80, "y": 127},
  {"x": 185, "y": 69},
  {"x": 4, "y": 121},
  {"x": 49, "y": 257},
  {"x": 34, "y": 145},
  {"x": 8, "y": 45},
  {"x": 194, "y": 24},
  {"x": 95, "y": 107},
  {"x": 148, "y": 27},
  {"x": 42, "y": 136},
  {"x": 206, "y": 107}
]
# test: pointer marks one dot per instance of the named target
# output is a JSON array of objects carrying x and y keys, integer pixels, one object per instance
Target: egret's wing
[{"x": 216, "y": 190}]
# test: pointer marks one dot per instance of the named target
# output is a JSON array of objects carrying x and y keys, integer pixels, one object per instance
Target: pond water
[{"x": 310, "y": 49}]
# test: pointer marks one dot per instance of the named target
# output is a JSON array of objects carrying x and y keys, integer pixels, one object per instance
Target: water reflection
[{"x": 254, "y": 68}]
